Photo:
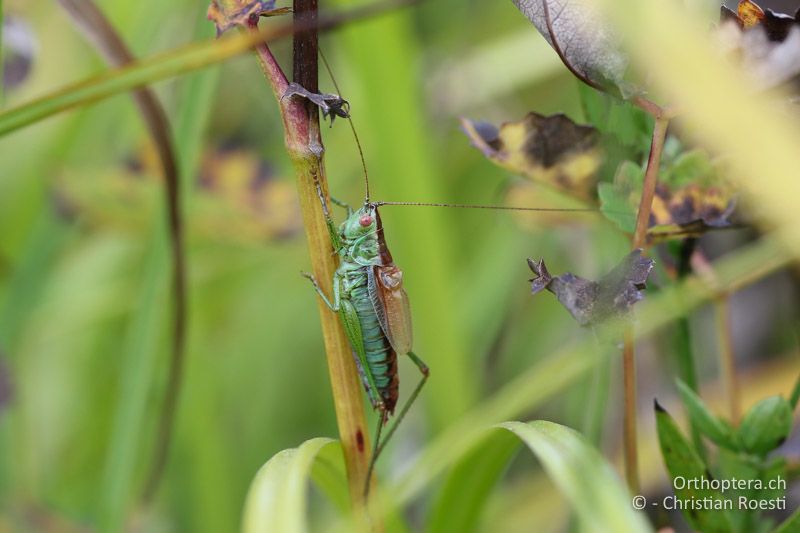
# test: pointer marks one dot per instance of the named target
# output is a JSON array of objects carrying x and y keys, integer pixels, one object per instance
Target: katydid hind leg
[
  {"x": 381, "y": 443},
  {"x": 425, "y": 371},
  {"x": 375, "y": 450}
]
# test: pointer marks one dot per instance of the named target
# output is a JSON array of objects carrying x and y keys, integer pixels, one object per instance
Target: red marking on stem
[{"x": 360, "y": 441}]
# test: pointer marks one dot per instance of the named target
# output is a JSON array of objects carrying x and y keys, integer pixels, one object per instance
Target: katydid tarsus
[{"x": 368, "y": 291}]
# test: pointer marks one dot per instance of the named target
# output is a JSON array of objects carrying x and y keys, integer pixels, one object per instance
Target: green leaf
[
  {"x": 710, "y": 425},
  {"x": 766, "y": 425},
  {"x": 582, "y": 475},
  {"x": 276, "y": 500},
  {"x": 469, "y": 483},
  {"x": 615, "y": 207},
  {"x": 690, "y": 167},
  {"x": 682, "y": 461}
]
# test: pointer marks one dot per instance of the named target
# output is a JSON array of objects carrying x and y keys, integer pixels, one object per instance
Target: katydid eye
[{"x": 365, "y": 221}]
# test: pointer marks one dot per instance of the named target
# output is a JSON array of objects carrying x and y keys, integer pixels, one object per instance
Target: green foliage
[
  {"x": 84, "y": 298},
  {"x": 766, "y": 425},
  {"x": 741, "y": 456},
  {"x": 582, "y": 475},
  {"x": 615, "y": 198},
  {"x": 277, "y": 497},
  {"x": 713, "y": 427}
]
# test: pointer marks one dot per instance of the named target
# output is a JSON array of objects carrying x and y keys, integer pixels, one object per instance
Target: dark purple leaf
[{"x": 592, "y": 302}]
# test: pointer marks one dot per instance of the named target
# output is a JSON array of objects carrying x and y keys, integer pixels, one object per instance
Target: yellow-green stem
[
  {"x": 727, "y": 361},
  {"x": 304, "y": 146}
]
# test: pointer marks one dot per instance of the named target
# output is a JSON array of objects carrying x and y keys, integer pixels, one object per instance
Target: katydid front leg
[
  {"x": 352, "y": 328},
  {"x": 336, "y": 299}
]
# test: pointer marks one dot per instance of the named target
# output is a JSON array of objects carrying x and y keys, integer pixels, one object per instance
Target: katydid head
[{"x": 360, "y": 223}]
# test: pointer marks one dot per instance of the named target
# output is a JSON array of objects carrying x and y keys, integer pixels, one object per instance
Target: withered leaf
[
  {"x": 332, "y": 105},
  {"x": 575, "y": 30},
  {"x": 552, "y": 150},
  {"x": 593, "y": 302},
  {"x": 766, "y": 44},
  {"x": 690, "y": 204},
  {"x": 226, "y": 14},
  {"x": 19, "y": 50}
]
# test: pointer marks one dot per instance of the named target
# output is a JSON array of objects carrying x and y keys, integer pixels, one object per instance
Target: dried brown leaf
[
  {"x": 226, "y": 14},
  {"x": 575, "y": 30}
]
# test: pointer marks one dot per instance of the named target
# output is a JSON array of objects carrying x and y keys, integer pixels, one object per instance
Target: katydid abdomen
[
  {"x": 381, "y": 357},
  {"x": 368, "y": 294}
]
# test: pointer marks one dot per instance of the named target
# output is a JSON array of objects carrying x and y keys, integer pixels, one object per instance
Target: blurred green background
[{"x": 84, "y": 270}]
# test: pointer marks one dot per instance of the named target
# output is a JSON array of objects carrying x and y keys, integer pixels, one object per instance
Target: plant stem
[
  {"x": 683, "y": 341},
  {"x": 727, "y": 358},
  {"x": 628, "y": 351},
  {"x": 629, "y": 421},
  {"x": 650, "y": 181},
  {"x": 304, "y": 146}
]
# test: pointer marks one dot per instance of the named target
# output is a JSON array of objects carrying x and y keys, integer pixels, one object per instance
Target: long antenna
[
  {"x": 494, "y": 207},
  {"x": 352, "y": 127}
]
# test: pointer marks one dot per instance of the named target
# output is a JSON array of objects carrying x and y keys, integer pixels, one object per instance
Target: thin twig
[
  {"x": 628, "y": 352},
  {"x": 727, "y": 356},
  {"x": 99, "y": 30},
  {"x": 650, "y": 182}
]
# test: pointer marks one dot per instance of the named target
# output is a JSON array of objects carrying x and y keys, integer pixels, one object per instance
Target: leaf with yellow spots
[
  {"x": 553, "y": 151},
  {"x": 749, "y": 13},
  {"x": 238, "y": 199},
  {"x": 690, "y": 198}
]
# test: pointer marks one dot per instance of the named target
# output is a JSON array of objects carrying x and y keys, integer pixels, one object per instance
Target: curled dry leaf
[
  {"x": 552, "y": 150},
  {"x": 593, "y": 302},
  {"x": 226, "y": 14},
  {"x": 332, "y": 105},
  {"x": 766, "y": 44},
  {"x": 575, "y": 30},
  {"x": 19, "y": 49}
]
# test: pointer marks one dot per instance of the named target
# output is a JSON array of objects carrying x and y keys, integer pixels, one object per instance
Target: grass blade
[
  {"x": 163, "y": 66},
  {"x": 108, "y": 41}
]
